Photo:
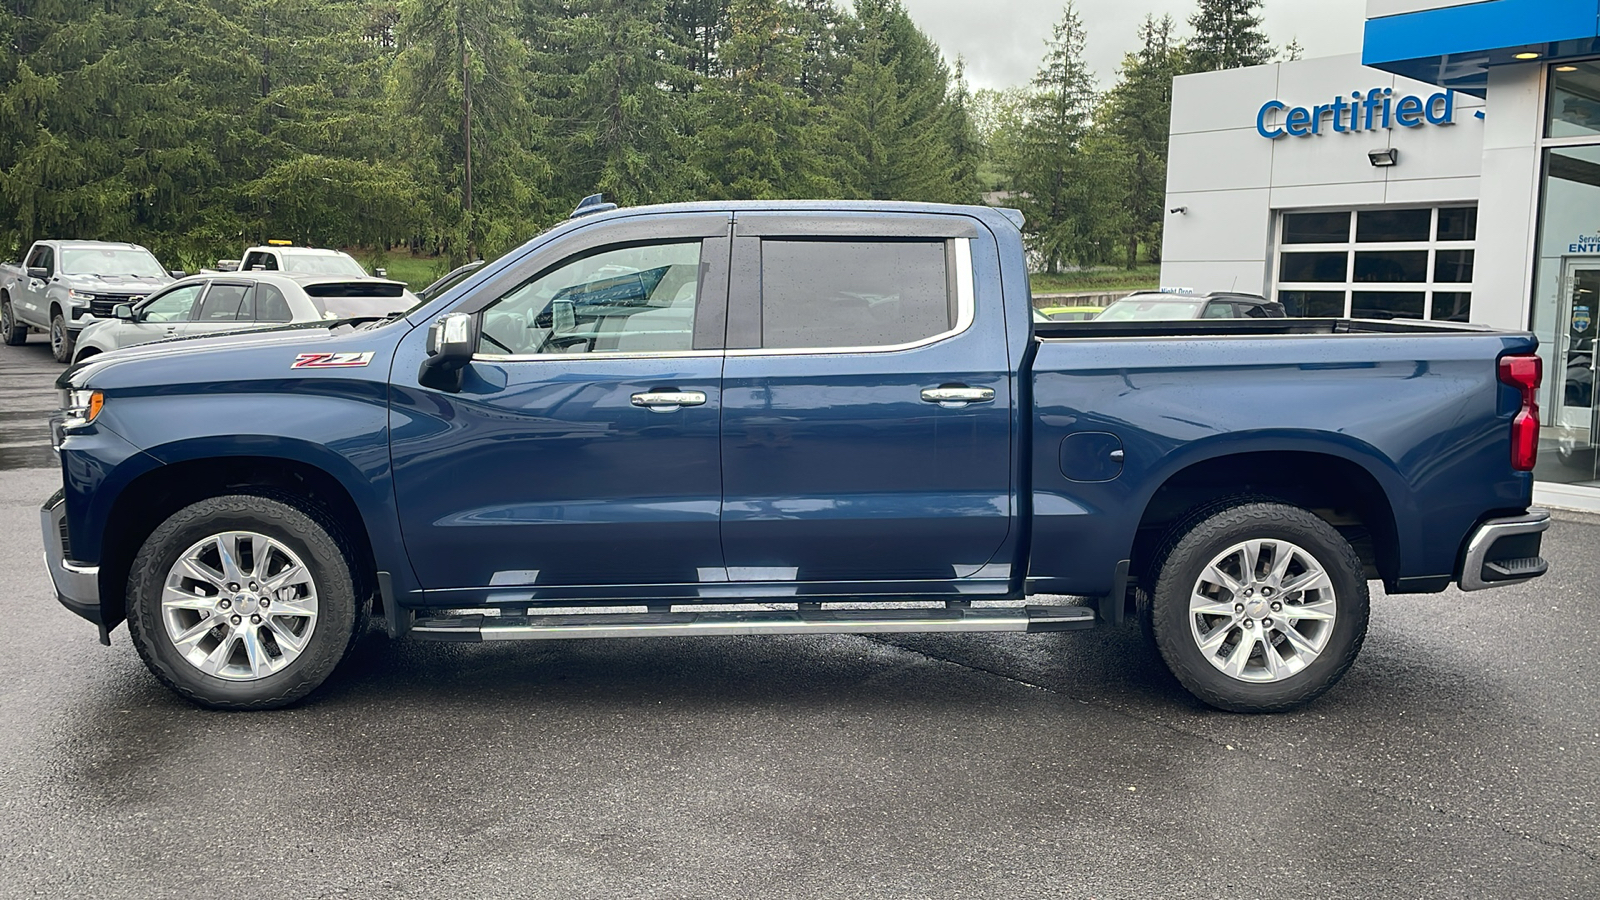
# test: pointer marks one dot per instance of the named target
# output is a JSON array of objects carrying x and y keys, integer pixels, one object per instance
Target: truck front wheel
[
  {"x": 14, "y": 333},
  {"x": 1260, "y": 607},
  {"x": 242, "y": 602},
  {"x": 61, "y": 339}
]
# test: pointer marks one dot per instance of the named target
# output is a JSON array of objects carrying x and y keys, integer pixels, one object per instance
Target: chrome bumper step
[{"x": 474, "y": 628}]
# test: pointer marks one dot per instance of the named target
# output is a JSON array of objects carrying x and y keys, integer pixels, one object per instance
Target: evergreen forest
[{"x": 460, "y": 128}]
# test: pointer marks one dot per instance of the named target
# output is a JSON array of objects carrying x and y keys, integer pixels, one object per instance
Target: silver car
[{"x": 219, "y": 302}]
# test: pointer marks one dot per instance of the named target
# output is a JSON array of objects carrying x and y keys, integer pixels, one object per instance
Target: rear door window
[
  {"x": 845, "y": 294},
  {"x": 222, "y": 303}
]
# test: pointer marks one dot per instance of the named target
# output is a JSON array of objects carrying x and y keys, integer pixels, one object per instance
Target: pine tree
[
  {"x": 612, "y": 79},
  {"x": 463, "y": 80},
  {"x": 1137, "y": 115},
  {"x": 757, "y": 140},
  {"x": 1227, "y": 35},
  {"x": 893, "y": 120},
  {"x": 1056, "y": 186}
]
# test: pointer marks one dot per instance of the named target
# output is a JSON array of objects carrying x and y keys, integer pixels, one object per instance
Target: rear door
[
  {"x": 867, "y": 400},
  {"x": 227, "y": 306},
  {"x": 580, "y": 457}
]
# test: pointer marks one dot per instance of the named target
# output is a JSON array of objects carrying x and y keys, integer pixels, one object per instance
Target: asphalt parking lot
[{"x": 1459, "y": 758}]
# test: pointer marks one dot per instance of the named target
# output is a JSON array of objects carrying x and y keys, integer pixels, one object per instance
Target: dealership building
[{"x": 1450, "y": 171}]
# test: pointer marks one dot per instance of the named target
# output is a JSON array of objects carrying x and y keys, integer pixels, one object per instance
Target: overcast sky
[{"x": 1003, "y": 40}]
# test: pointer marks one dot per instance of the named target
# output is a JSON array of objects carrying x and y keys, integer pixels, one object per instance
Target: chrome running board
[{"x": 475, "y": 628}]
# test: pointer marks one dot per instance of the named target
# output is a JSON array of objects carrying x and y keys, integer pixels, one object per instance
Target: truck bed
[{"x": 1235, "y": 327}]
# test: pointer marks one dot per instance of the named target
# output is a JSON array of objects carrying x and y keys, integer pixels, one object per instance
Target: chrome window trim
[
  {"x": 966, "y": 313},
  {"x": 599, "y": 355}
]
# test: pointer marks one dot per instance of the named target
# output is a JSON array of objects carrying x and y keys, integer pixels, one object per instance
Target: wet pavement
[
  {"x": 27, "y": 398},
  {"x": 1459, "y": 758}
]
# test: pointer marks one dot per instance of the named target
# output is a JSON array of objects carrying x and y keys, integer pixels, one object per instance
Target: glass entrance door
[
  {"x": 1580, "y": 308},
  {"x": 1572, "y": 417}
]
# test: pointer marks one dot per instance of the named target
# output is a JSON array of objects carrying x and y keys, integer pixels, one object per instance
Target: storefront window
[
  {"x": 1388, "y": 304},
  {"x": 1316, "y": 228},
  {"x": 1566, "y": 300},
  {"x": 1378, "y": 263},
  {"x": 1312, "y": 304},
  {"x": 1574, "y": 100},
  {"x": 1392, "y": 226}
]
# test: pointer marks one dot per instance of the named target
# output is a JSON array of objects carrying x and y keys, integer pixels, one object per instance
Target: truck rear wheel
[
  {"x": 1259, "y": 607},
  {"x": 242, "y": 602},
  {"x": 61, "y": 339},
  {"x": 12, "y": 332}
]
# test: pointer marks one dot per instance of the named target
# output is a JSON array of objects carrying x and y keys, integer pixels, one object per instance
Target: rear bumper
[
  {"x": 1504, "y": 552},
  {"x": 77, "y": 586}
]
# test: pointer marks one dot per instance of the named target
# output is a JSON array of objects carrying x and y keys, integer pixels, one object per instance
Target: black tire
[
  {"x": 14, "y": 333},
  {"x": 312, "y": 538},
  {"x": 1193, "y": 545},
  {"x": 85, "y": 353},
  {"x": 62, "y": 340}
]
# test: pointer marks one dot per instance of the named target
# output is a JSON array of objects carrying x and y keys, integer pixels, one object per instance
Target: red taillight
[{"x": 1524, "y": 373}]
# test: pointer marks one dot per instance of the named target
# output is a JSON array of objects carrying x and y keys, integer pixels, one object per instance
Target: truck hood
[
  {"x": 266, "y": 353},
  {"x": 130, "y": 285}
]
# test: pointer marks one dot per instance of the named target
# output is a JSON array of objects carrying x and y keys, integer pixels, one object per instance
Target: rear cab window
[{"x": 827, "y": 294}]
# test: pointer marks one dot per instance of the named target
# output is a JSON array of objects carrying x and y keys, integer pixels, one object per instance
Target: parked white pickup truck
[
  {"x": 63, "y": 286},
  {"x": 281, "y": 257}
]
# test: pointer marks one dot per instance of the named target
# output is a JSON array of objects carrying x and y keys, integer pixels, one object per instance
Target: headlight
[
  {"x": 80, "y": 407},
  {"x": 79, "y": 296}
]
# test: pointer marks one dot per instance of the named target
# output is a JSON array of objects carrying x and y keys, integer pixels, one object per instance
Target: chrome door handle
[
  {"x": 957, "y": 395},
  {"x": 668, "y": 399}
]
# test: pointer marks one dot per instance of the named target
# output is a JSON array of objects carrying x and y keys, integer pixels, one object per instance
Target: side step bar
[{"x": 475, "y": 628}]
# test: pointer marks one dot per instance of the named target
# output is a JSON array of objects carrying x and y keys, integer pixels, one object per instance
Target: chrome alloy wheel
[
  {"x": 58, "y": 336},
  {"x": 239, "y": 605},
  {"x": 5, "y": 318},
  {"x": 1262, "y": 610}
]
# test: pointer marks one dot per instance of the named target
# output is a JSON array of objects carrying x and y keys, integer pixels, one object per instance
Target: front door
[
  {"x": 581, "y": 453},
  {"x": 162, "y": 316}
]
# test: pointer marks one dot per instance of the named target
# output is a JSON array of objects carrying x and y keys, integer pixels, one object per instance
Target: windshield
[
  {"x": 1150, "y": 309},
  {"x": 136, "y": 263},
  {"x": 321, "y": 264}
]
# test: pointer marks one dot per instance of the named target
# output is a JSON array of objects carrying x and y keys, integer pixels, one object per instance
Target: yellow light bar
[{"x": 280, "y": 243}]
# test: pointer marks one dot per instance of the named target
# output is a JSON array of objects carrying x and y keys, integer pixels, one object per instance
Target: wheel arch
[
  {"x": 1353, "y": 495},
  {"x": 151, "y": 498}
]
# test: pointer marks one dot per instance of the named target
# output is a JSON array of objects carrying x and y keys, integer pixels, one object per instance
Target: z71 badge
[{"x": 331, "y": 360}]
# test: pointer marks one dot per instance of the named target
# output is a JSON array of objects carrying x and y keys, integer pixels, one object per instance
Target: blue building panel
[{"x": 1456, "y": 45}]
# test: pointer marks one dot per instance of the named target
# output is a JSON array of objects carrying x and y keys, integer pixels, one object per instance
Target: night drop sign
[{"x": 1375, "y": 110}]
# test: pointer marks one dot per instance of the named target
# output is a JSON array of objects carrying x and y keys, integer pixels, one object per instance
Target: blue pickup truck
[{"x": 784, "y": 418}]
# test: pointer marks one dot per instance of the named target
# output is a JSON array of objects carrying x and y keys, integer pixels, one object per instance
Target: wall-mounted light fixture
[
  {"x": 1385, "y": 157},
  {"x": 1179, "y": 210}
]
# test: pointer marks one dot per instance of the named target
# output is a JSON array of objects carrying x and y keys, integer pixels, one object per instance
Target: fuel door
[{"x": 1091, "y": 456}]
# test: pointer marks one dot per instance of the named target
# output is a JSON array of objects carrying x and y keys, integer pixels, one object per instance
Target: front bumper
[
  {"x": 1504, "y": 552},
  {"x": 77, "y": 586}
]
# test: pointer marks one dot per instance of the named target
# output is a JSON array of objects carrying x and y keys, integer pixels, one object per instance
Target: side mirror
[
  {"x": 451, "y": 342},
  {"x": 39, "y": 272},
  {"x": 123, "y": 312},
  {"x": 177, "y": 273},
  {"x": 381, "y": 272}
]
